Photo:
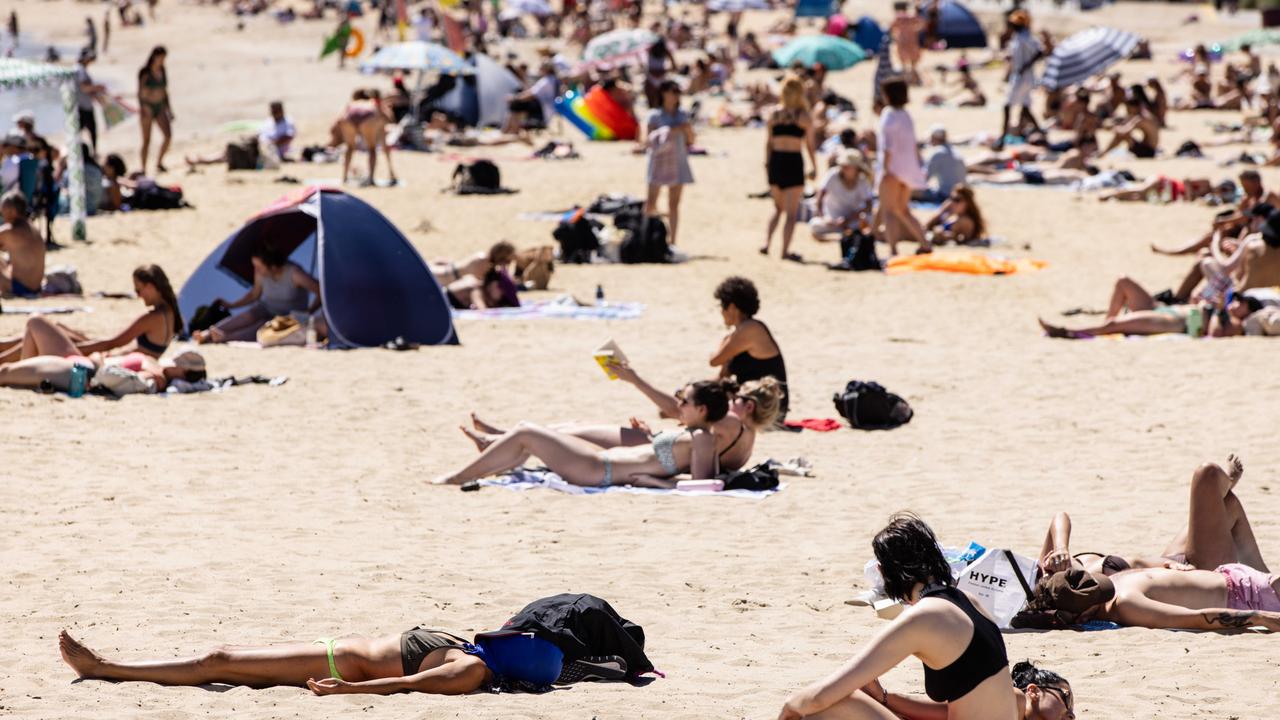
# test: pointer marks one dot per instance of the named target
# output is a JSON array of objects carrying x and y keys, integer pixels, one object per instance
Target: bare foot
[
  {"x": 1235, "y": 469},
  {"x": 84, "y": 661},
  {"x": 484, "y": 427},
  {"x": 1052, "y": 330},
  {"x": 481, "y": 440}
]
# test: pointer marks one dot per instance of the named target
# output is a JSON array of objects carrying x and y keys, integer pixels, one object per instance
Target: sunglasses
[
  {"x": 681, "y": 400},
  {"x": 1064, "y": 696}
]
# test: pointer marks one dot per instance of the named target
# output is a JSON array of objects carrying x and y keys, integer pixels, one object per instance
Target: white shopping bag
[{"x": 992, "y": 580}]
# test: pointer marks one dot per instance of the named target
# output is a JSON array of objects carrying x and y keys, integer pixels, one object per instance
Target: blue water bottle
[{"x": 79, "y": 380}]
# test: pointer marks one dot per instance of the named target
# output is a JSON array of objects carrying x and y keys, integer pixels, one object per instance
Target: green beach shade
[
  {"x": 835, "y": 53},
  {"x": 1254, "y": 38}
]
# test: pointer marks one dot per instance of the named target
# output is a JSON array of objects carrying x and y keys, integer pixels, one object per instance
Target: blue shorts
[{"x": 17, "y": 289}]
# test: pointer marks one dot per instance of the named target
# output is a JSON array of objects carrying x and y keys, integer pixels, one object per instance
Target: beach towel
[
  {"x": 563, "y": 307},
  {"x": 530, "y": 478},
  {"x": 816, "y": 424},
  {"x": 969, "y": 263},
  {"x": 44, "y": 309}
]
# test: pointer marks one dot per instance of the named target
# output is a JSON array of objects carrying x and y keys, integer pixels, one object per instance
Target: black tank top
[
  {"x": 746, "y": 368},
  {"x": 985, "y": 656}
]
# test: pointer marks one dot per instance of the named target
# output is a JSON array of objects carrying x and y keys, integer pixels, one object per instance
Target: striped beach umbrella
[
  {"x": 618, "y": 46},
  {"x": 1086, "y": 54}
]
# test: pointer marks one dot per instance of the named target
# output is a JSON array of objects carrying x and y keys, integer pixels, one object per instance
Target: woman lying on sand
[
  {"x": 499, "y": 256},
  {"x": 419, "y": 660},
  {"x": 52, "y": 371},
  {"x": 150, "y": 333},
  {"x": 966, "y": 668},
  {"x": 495, "y": 289},
  {"x": 753, "y": 407},
  {"x": 1146, "y": 317},
  {"x": 581, "y": 462},
  {"x": 1217, "y": 533}
]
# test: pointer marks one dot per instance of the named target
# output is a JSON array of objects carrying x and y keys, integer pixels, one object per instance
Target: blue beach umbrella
[
  {"x": 415, "y": 56},
  {"x": 957, "y": 26},
  {"x": 835, "y": 53}
]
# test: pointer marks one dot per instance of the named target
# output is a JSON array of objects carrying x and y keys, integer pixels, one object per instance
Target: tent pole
[{"x": 75, "y": 162}]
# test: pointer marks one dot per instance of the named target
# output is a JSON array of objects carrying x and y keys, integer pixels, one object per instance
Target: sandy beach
[{"x": 162, "y": 526}]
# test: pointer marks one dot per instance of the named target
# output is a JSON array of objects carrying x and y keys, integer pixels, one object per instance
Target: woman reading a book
[
  {"x": 754, "y": 405},
  {"x": 638, "y": 457}
]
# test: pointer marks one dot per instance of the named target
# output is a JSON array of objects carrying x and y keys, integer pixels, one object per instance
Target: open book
[{"x": 609, "y": 353}]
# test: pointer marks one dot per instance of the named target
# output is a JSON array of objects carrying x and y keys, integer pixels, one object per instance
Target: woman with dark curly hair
[
  {"x": 965, "y": 664},
  {"x": 749, "y": 351}
]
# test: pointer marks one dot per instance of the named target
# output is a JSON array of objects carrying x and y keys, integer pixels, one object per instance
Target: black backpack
[
  {"x": 646, "y": 244},
  {"x": 760, "y": 478},
  {"x": 578, "y": 240},
  {"x": 480, "y": 177},
  {"x": 858, "y": 252},
  {"x": 243, "y": 155},
  {"x": 868, "y": 406},
  {"x": 157, "y": 197}
]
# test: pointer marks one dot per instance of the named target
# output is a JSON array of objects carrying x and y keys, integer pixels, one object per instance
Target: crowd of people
[{"x": 867, "y": 182}]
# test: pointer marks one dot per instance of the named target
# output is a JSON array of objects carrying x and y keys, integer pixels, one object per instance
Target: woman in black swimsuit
[
  {"x": 965, "y": 664},
  {"x": 151, "y": 332},
  {"x": 749, "y": 351},
  {"x": 153, "y": 105},
  {"x": 790, "y": 135}
]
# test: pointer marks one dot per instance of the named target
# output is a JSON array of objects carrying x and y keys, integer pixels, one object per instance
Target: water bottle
[
  {"x": 79, "y": 380},
  {"x": 311, "y": 330},
  {"x": 599, "y": 296}
]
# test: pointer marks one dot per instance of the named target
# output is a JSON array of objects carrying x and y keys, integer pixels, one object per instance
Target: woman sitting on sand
[
  {"x": 52, "y": 370},
  {"x": 965, "y": 664},
  {"x": 1217, "y": 532},
  {"x": 418, "y": 660},
  {"x": 1145, "y": 317},
  {"x": 753, "y": 407},
  {"x": 149, "y": 334},
  {"x": 959, "y": 220},
  {"x": 1039, "y": 695},
  {"x": 495, "y": 290},
  {"x": 363, "y": 120},
  {"x": 580, "y": 462},
  {"x": 1141, "y": 121},
  {"x": 749, "y": 351},
  {"x": 500, "y": 255},
  {"x": 845, "y": 197},
  {"x": 280, "y": 287}
]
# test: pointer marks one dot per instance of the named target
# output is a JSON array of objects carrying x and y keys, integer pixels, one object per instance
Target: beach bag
[
  {"x": 479, "y": 177},
  {"x": 760, "y": 478},
  {"x": 534, "y": 266},
  {"x": 282, "y": 330},
  {"x": 243, "y": 155},
  {"x": 858, "y": 252},
  {"x": 62, "y": 280},
  {"x": 577, "y": 238},
  {"x": 206, "y": 316},
  {"x": 647, "y": 244},
  {"x": 1000, "y": 581},
  {"x": 156, "y": 197},
  {"x": 120, "y": 382},
  {"x": 868, "y": 406}
]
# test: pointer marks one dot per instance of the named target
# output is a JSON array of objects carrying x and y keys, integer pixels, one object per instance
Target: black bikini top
[
  {"x": 985, "y": 656},
  {"x": 788, "y": 130}
]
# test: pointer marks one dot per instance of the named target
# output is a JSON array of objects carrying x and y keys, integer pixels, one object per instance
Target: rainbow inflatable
[{"x": 597, "y": 115}]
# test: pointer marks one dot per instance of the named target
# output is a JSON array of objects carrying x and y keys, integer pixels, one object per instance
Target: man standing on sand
[
  {"x": 22, "y": 275},
  {"x": 1024, "y": 52}
]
